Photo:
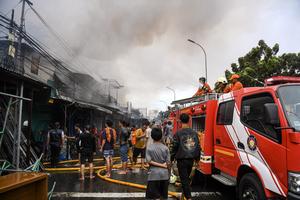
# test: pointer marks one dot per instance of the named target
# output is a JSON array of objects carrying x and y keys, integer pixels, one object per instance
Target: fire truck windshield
[{"x": 290, "y": 100}]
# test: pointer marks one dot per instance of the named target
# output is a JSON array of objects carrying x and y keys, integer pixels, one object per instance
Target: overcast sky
[{"x": 143, "y": 43}]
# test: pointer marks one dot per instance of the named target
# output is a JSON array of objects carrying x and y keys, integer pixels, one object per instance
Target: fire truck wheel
[{"x": 250, "y": 188}]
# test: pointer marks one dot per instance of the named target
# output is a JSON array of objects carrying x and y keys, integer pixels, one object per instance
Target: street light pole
[
  {"x": 205, "y": 56},
  {"x": 164, "y": 103},
  {"x": 172, "y": 91}
]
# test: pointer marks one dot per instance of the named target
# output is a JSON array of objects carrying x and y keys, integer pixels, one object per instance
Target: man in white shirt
[{"x": 148, "y": 134}]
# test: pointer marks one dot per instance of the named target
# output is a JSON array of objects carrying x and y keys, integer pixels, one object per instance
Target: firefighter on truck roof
[
  {"x": 220, "y": 85},
  {"x": 235, "y": 84},
  {"x": 204, "y": 88}
]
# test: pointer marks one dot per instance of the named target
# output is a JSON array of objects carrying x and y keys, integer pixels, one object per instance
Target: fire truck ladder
[
  {"x": 196, "y": 100},
  {"x": 9, "y": 132}
]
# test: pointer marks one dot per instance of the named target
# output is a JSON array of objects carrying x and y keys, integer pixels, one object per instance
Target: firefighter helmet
[{"x": 222, "y": 80}]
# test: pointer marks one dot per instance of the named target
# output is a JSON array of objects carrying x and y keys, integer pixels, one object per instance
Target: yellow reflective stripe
[{"x": 227, "y": 153}]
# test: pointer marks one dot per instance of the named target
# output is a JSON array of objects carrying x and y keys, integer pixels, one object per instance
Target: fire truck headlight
[{"x": 294, "y": 182}]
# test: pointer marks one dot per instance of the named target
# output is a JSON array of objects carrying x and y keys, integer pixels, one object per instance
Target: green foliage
[{"x": 263, "y": 62}]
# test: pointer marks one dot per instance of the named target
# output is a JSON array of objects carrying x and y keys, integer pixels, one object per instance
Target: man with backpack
[
  {"x": 55, "y": 140},
  {"x": 87, "y": 148},
  {"x": 108, "y": 141}
]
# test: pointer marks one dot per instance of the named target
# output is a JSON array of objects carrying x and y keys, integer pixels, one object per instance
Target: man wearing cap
[
  {"x": 204, "y": 88},
  {"x": 235, "y": 84}
]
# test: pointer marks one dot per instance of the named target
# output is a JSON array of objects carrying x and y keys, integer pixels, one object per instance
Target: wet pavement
[{"x": 69, "y": 187}]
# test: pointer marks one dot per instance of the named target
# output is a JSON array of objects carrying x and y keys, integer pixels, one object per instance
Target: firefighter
[
  {"x": 204, "y": 88},
  {"x": 55, "y": 140},
  {"x": 220, "y": 85},
  {"x": 235, "y": 84}
]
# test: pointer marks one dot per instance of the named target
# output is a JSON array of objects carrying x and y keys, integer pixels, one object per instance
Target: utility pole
[
  {"x": 22, "y": 20},
  {"x": 11, "y": 40},
  {"x": 20, "y": 67},
  {"x": 19, "y": 49},
  {"x": 12, "y": 21}
]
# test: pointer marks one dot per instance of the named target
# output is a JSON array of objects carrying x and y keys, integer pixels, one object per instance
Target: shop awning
[
  {"x": 89, "y": 105},
  {"x": 83, "y": 104}
]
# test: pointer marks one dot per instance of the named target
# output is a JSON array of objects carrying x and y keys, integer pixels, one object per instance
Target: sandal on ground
[{"x": 122, "y": 172}]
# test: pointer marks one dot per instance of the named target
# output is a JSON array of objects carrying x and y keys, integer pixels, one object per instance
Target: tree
[
  {"x": 262, "y": 62},
  {"x": 291, "y": 64}
]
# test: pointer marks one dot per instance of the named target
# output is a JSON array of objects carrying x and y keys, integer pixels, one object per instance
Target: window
[
  {"x": 198, "y": 123},
  {"x": 290, "y": 100},
  {"x": 252, "y": 115},
  {"x": 225, "y": 113}
]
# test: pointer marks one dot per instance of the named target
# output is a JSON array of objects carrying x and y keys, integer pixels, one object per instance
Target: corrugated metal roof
[{"x": 89, "y": 105}]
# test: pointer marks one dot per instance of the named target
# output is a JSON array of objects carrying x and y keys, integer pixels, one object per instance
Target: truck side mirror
[{"x": 271, "y": 114}]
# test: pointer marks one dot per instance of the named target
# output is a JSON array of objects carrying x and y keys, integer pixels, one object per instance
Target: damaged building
[{"x": 43, "y": 91}]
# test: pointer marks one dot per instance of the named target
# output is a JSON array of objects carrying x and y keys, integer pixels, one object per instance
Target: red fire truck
[{"x": 250, "y": 138}]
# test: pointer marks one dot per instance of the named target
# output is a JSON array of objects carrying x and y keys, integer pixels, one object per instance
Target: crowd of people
[{"x": 155, "y": 145}]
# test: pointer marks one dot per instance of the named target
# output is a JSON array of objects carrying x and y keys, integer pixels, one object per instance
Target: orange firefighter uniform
[
  {"x": 235, "y": 85},
  {"x": 203, "y": 90}
]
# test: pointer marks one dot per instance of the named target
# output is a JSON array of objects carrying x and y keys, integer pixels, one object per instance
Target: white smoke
[{"x": 144, "y": 44}]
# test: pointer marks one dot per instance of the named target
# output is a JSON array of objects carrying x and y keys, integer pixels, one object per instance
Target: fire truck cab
[{"x": 250, "y": 138}]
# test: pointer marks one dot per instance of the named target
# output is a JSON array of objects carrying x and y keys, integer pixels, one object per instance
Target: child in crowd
[{"x": 158, "y": 157}]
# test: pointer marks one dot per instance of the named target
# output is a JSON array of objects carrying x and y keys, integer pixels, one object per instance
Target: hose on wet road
[{"x": 101, "y": 170}]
